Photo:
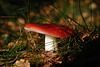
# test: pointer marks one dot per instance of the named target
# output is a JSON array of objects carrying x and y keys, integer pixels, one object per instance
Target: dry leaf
[
  {"x": 13, "y": 26},
  {"x": 21, "y": 63},
  {"x": 21, "y": 20},
  {"x": 31, "y": 14},
  {"x": 2, "y": 42},
  {"x": 10, "y": 45},
  {"x": 4, "y": 31}
]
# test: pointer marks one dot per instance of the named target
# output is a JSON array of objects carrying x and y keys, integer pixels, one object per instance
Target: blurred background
[
  {"x": 79, "y": 15},
  {"x": 15, "y": 12}
]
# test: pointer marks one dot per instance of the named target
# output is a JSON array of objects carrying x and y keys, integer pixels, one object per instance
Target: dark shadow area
[
  {"x": 89, "y": 56},
  {"x": 14, "y": 7}
]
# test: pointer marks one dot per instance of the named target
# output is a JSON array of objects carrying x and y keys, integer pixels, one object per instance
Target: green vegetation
[{"x": 81, "y": 16}]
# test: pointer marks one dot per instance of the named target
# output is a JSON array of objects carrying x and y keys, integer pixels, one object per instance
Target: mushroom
[{"x": 51, "y": 31}]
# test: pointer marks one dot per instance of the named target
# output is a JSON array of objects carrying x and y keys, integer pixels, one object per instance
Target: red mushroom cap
[{"x": 50, "y": 29}]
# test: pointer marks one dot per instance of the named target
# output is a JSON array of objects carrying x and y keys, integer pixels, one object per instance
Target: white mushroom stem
[{"x": 50, "y": 43}]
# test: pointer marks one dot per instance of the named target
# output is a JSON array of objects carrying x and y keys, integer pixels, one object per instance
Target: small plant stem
[
  {"x": 20, "y": 29},
  {"x": 81, "y": 14},
  {"x": 32, "y": 39},
  {"x": 15, "y": 43},
  {"x": 27, "y": 9},
  {"x": 69, "y": 17},
  {"x": 73, "y": 8}
]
